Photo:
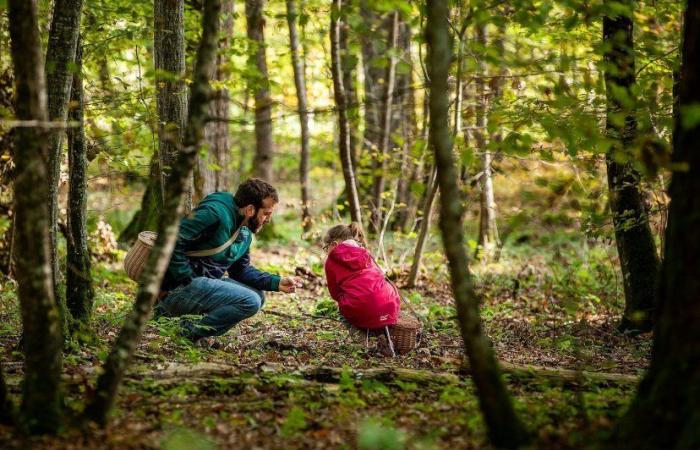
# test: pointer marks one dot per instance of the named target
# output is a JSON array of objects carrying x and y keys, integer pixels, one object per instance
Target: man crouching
[{"x": 212, "y": 241}]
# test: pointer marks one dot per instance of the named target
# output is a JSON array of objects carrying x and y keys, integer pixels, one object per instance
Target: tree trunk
[
  {"x": 79, "y": 292},
  {"x": 302, "y": 106},
  {"x": 151, "y": 278},
  {"x": 264, "y": 145},
  {"x": 41, "y": 405},
  {"x": 371, "y": 46},
  {"x": 169, "y": 61},
  {"x": 348, "y": 64},
  {"x": 213, "y": 173},
  {"x": 7, "y": 409},
  {"x": 146, "y": 218},
  {"x": 337, "y": 18},
  {"x": 60, "y": 55},
  {"x": 171, "y": 102},
  {"x": 488, "y": 230},
  {"x": 379, "y": 166},
  {"x": 635, "y": 243},
  {"x": 424, "y": 230},
  {"x": 664, "y": 414},
  {"x": 504, "y": 428}
]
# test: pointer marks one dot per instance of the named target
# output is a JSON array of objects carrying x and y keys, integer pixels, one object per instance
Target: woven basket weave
[
  {"x": 405, "y": 335},
  {"x": 138, "y": 253}
]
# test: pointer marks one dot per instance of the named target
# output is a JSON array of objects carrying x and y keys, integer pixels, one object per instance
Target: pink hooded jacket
[{"x": 365, "y": 298}]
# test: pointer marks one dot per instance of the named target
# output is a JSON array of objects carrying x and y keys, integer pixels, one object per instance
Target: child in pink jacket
[{"x": 366, "y": 299}]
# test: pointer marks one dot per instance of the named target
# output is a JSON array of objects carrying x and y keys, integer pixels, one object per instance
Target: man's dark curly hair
[{"x": 253, "y": 191}]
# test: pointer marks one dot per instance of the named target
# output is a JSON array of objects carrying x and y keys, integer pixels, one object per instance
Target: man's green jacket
[{"x": 210, "y": 225}]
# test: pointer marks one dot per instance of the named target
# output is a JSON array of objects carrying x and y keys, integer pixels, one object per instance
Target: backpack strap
[{"x": 216, "y": 250}]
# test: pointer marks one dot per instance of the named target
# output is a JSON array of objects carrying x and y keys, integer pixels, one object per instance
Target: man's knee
[{"x": 253, "y": 302}]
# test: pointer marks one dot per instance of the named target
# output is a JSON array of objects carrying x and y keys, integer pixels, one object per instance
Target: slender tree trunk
[
  {"x": 302, "y": 106},
  {"x": 60, "y": 55},
  {"x": 348, "y": 65},
  {"x": 372, "y": 73},
  {"x": 664, "y": 414},
  {"x": 635, "y": 243},
  {"x": 488, "y": 230},
  {"x": 41, "y": 406},
  {"x": 264, "y": 145},
  {"x": 340, "y": 100},
  {"x": 151, "y": 278},
  {"x": 79, "y": 292},
  {"x": 424, "y": 230},
  {"x": 213, "y": 173},
  {"x": 504, "y": 428},
  {"x": 379, "y": 167}
]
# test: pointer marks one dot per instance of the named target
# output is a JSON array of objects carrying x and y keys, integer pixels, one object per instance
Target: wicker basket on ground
[
  {"x": 405, "y": 336},
  {"x": 138, "y": 253}
]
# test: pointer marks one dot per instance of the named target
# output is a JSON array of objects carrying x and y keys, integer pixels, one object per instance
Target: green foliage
[{"x": 375, "y": 434}]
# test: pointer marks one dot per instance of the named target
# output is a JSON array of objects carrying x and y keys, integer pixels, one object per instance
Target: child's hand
[{"x": 290, "y": 284}]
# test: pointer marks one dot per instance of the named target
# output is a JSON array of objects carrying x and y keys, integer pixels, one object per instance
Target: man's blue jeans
[{"x": 222, "y": 303}]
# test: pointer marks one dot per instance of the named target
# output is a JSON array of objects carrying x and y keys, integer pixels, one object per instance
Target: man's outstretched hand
[{"x": 290, "y": 284}]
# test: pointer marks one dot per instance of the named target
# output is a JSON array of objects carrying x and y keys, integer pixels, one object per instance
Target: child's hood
[{"x": 351, "y": 256}]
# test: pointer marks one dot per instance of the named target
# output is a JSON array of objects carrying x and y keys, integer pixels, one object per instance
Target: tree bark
[
  {"x": 379, "y": 166},
  {"x": 7, "y": 409},
  {"x": 171, "y": 105},
  {"x": 213, "y": 172},
  {"x": 635, "y": 243},
  {"x": 664, "y": 414},
  {"x": 60, "y": 55},
  {"x": 348, "y": 64},
  {"x": 488, "y": 230},
  {"x": 302, "y": 106},
  {"x": 504, "y": 428},
  {"x": 151, "y": 278},
  {"x": 264, "y": 144},
  {"x": 424, "y": 230},
  {"x": 337, "y": 18},
  {"x": 79, "y": 292},
  {"x": 171, "y": 99},
  {"x": 41, "y": 406}
]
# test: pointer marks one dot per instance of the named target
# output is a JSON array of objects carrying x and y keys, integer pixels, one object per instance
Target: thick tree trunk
[
  {"x": 635, "y": 243},
  {"x": 488, "y": 230},
  {"x": 41, "y": 406},
  {"x": 213, "y": 173},
  {"x": 146, "y": 218},
  {"x": 664, "y": 414},
  {"x": 79, "y": 292},
  {"x": 343, "y": 126},
  {"x": 149, "y": 284},
  {"x": 424, "y": 230},
  {"x": 302, "y": 106},
  {"x": 169, "y": 61},
  {"x": 60, "y": 55},
  {"x": 504, "y": 428},
  {"x": 379, "y": 166},
  {"x": 264, "y": 145},
  {"x": 171, "y": 102}
]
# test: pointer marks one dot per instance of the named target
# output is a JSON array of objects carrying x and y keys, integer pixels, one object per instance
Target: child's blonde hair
[{"x": 343, "y": 232}]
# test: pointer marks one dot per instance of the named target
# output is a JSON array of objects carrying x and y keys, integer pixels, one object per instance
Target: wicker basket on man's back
[{"x": 401, "y": 338}]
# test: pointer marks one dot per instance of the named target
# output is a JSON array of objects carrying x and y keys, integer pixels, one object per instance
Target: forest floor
[{"x": 290, "y": 377}]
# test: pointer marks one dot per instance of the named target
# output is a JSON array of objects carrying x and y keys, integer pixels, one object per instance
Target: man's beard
[{"x": 253, "y": 223}]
